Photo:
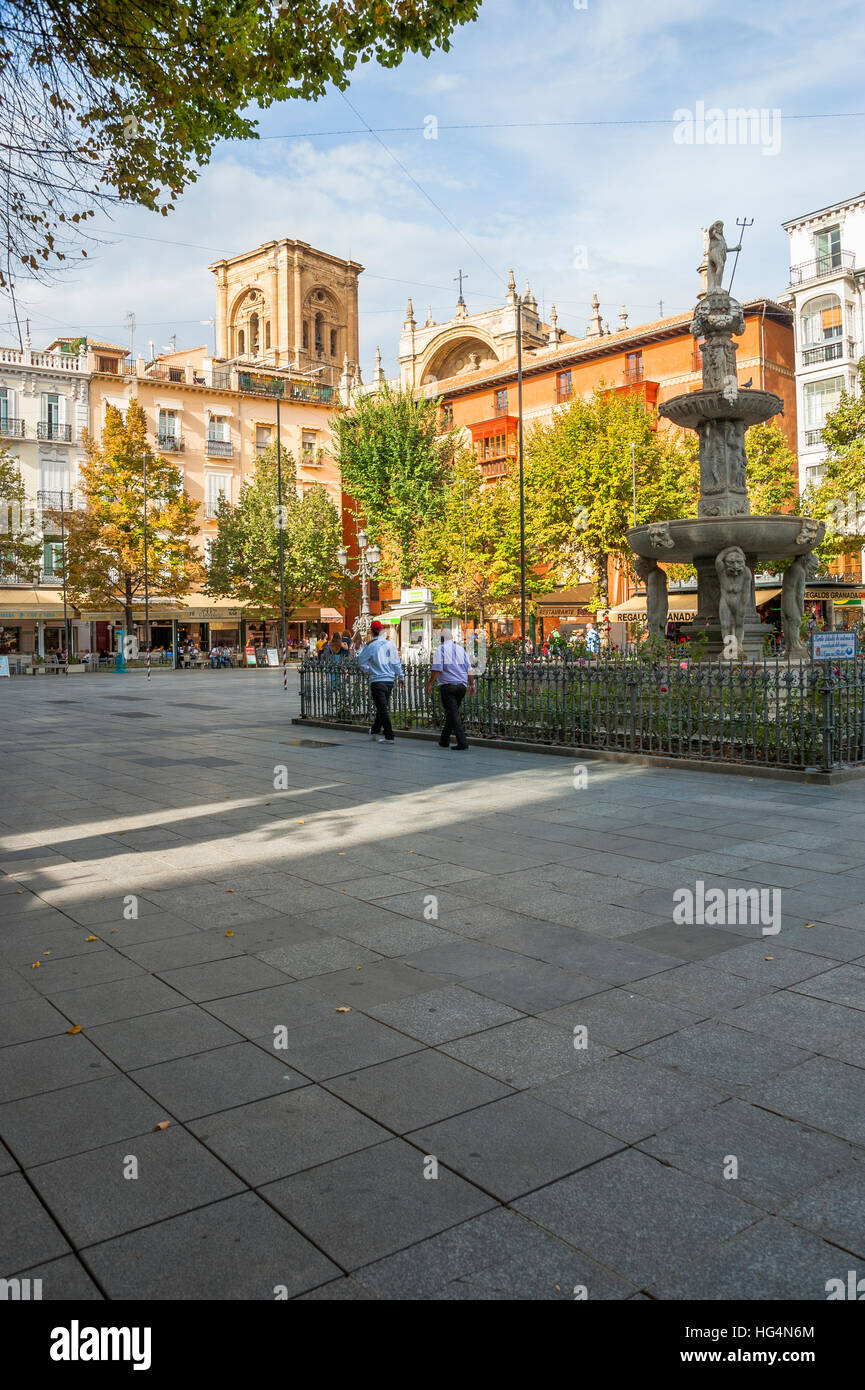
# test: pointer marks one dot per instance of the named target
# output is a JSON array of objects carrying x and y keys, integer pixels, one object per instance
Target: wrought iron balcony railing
[
  {"x": 13, "y": 429},
  {"x": 49, "y": 429},
  {"x": 220, "y": 448},
  {"x": 172, "y": 443},
  {"x": 821, "y": 266},
  {"x": 827, "y": 352},
  {"x": 813, "y": 438}
]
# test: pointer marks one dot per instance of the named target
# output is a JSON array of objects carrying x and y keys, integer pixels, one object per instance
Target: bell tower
[{"x": 287, "y": 305}]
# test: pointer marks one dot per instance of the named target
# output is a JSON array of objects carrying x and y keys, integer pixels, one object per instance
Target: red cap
[{"x": 375, "y": 626}]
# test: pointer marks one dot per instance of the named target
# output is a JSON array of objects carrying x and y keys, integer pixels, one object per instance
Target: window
[
  {"x": 217, "y": 485},
  {"x": 54, "y": 478},
  {"x": 217, "y": 427},
  {"x": 563, "y": 385},
  {"x": 333, "y": 342},
  {"x": 447, "y": 416},
  {"x": 52, "y": 558},
  {"x": 305, "y": 334},
  {"x": 634, "y": 366},
  {"x": 52, "y": 409},
  {"x": 5, "y": 411},
  {"x": 241, "y": 342},
  {"x": 263, "y": 436},
  {"x": 821, "y": 398},
  {"x": 502, "y": 401},
  {"x": 308, "y": 440},
  {"x": 267, "y": 334},
  {"x": 108, "y": 364},
  {"x": 821, "y": 320},
  {"x": 167, "y": 424},
  {"x": 319, "y": 345},
  {"x": 827, "y": 245}
]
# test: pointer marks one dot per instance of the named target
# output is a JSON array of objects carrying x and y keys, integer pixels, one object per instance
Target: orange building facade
[{"x": 658, "y": 359}]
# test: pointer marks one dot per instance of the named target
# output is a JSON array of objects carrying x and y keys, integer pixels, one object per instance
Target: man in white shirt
[
  {"x": 379, "y": 660},
  {"x": 451, "y": 671}
]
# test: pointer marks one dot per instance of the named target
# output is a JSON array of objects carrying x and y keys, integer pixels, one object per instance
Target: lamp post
[{"x": 369, "y": 558}]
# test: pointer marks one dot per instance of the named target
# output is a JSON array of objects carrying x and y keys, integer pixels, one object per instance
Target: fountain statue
[{"x": 724, "y": 541}]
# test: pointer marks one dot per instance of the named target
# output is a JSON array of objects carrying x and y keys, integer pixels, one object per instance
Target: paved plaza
[{"x": 290, "y": 1014}]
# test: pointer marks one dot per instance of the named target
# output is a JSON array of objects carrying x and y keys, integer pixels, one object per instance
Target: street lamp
[{"x": 369, "y": 558}]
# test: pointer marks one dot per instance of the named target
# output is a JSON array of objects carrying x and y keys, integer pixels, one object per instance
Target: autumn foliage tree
[{"x": 104, "y": 557}]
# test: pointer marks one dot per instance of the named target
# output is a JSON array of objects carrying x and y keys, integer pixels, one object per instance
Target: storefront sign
[
  {"x": 250, "y": 656},
  {"x": 833, "y": 646},
  {"x": 272, "y": 656}
]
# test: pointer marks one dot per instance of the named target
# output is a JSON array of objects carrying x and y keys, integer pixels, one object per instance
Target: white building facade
[{"x": 827, "y": 298}]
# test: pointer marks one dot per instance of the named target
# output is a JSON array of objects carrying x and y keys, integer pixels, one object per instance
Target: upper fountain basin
[
  {"x": 751, "y": 406},
  {"x": 767, "y": 537}
]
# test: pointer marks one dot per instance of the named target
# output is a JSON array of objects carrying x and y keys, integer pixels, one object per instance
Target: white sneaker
[{"x": 381, "y": 738}]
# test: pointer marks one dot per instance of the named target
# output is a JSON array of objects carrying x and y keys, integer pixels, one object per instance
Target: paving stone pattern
[{"x": 413, "y": 1027}]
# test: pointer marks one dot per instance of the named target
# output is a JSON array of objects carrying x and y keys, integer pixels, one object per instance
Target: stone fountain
[{"x": 724, "y": 541}]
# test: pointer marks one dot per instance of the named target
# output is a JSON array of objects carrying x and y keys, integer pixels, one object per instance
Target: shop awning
[
  {"x": 330, "y": 615},
  {"x": 28, "y": 602},
  {"x": 564, "y": 603},
  {"x": 679, "y": 606}
]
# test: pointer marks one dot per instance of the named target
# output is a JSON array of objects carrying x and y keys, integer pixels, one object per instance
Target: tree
[
  {"x": 104, "y": 558},
  {"x": 102, "y": 101},
  {"x": 244, "y": 557},
  {"x": 579, "y": 489},
  {"x": 772, "y": 470},
  {"x": 471, "y": 556},
  {"x": 20, "y": 535},
  {"x": 394, "y": 463},
  {"x": 839, "y": 497}
]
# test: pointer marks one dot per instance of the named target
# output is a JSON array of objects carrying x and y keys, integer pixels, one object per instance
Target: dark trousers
[
  {"x": 451, "y": 697},
  {"x": 381, "y": 693}
]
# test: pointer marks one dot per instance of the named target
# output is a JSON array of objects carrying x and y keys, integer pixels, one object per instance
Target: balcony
[
  {"x": 49, "y": 429},
  {"x": 813, "y": 439},
  {"x": 13, "y": 429},
  {"x": 822, "y": 266},
  {"x": 563, "y": 394},
  {"x": 220, "y": 448},
  {"x": 500, "y": 408},
  {"x": 495, "y": 468},
  {"x": 827, "y": 352},
  {"x": 171, "y": 443}
]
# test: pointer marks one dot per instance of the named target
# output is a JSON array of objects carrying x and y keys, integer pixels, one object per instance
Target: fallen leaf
[
  {"x": 344, "y": 1009},
  {"x": 163, "y": 1124},
  {"x": 229, "y": 933},
  {"x": 19, "y": 890},
  {"x": 301, "y": 822},
  {"x": 91, "y": 938},
  {"x": 229, "y": 890},
  {"x": 809, "y": 924},
  {"x": 768, "y": 957},
  {"x": 46, "y": 953},
  {"x": 76, "y": 1028},
  {"x": 36, "y": 964},
  {"x": 114, "y": 931}
]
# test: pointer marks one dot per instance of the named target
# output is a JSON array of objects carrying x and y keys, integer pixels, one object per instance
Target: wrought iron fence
[{"x": 770, "y": 713}]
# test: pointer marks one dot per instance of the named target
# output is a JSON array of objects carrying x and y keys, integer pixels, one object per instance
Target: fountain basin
[
  {"x": 691, "y": 410},
  {"x": 763, "y": 537}
]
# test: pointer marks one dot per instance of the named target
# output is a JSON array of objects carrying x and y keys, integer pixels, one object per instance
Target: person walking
[
  {"x": 380, "y": 663},
  {"x": 451, "y": 671},
  {"x": 592, "y": 639}
]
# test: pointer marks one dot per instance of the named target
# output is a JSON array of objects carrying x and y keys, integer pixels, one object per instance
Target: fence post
[{"x": 827, "y": 700}]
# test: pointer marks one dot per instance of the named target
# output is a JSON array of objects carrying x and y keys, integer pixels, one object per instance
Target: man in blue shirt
[
  {"x": 379, "y": 660},
  {"x": 451, "y": 670}
]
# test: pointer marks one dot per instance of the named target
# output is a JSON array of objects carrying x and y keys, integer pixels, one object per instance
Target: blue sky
[{"x": 515, "y": 190}]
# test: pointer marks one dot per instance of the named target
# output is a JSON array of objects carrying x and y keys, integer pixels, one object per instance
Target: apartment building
[{"x": 826, "y": 297}]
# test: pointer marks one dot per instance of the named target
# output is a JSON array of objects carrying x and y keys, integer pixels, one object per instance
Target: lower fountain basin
[
  {"x": 766, "y": 537},
  {"x": 691, "y": 410}
]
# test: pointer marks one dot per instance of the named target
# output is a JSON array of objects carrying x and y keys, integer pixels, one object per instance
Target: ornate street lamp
[{"x": 368, "y": 561}]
